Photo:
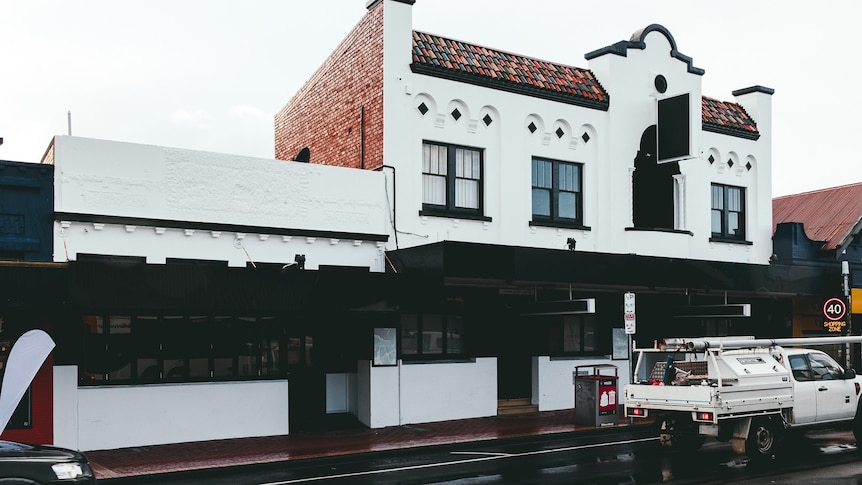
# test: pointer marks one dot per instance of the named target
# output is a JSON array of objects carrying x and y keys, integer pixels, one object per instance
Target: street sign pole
[{"x": 631, "y": 326}]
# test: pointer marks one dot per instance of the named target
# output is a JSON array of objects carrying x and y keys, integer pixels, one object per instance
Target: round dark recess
[{"x": 660, "y": 84}]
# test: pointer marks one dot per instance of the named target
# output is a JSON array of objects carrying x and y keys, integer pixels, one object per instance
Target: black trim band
[
  {"x": 210, "y": 226},
  {"x": 723, "y": 130},
  {"x": 559, "y": 224},
  {"x": 730, "y": 241},
  {"x": 637, "y": 42},
  {"x": 753, "y": 89},
  {"x": 454, "y": 215},
  {"x": 660, "y": 229}
]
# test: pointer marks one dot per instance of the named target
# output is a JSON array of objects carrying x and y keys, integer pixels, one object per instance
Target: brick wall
[{"x": 326, "y": 114}]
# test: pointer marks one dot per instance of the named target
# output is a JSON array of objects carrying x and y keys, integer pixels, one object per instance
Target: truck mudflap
[{"x": 679, "y": 432}]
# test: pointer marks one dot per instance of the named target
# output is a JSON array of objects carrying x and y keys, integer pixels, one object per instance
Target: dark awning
[
  {"x": 32, "y": 285},
  {"x": 211, "y": 287},
  {"x": 521, "y": 266}
]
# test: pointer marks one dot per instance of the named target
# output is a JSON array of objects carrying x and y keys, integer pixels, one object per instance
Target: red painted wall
[
  {"x": 42, "y": 430},
  {"x": 326, "y": 114}
]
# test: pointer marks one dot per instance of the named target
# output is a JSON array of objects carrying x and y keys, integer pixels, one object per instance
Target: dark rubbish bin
[{"x": 596, "y": 394}]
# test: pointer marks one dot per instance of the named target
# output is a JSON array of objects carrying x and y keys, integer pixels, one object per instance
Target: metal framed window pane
[
  {"x": 567, "y": 177},
  {"x": 437, "y": 162},
  {"x": 541, "y": 202},
  {"x": 717, "y": 216},
  {"x": 467, "y": 194},
  {"x": 247, "y": 360},
  {"x": 454, "y": 332},
  {"x": 432, "y": 334},
  {"x": 733, "y": 224},
  {"x": 409, "y": 334},
  {"x": 571, "y": 333},
  {"x": 590, "y": 343},
  {"x": 734, "y": 199},
  {"x": 717, "y": 197},
  {"x": 567, "y": 205},
  {"x": 433, "y": 189},
  {"x": 466, "y": 163}
]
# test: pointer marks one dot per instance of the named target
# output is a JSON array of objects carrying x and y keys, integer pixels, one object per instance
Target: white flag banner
[{"x": 26, "y": 357}]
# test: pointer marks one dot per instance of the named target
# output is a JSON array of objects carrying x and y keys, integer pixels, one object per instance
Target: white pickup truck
[{"x": 744, "y": 390}]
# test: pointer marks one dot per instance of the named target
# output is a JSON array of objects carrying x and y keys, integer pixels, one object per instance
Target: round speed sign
[{"x": 834, "y": 309}]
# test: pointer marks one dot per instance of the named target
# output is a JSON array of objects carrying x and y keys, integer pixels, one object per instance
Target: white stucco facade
[
  {"x": 157, "y": 203},
  {"x": 96, "y": 418},
  {"x": 125, "y": 199},
  {"x": 607, "y": 156},
  {"x": 426, "y": 392}
]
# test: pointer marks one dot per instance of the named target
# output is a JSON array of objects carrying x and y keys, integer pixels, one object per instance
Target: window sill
[
  {"x": 660, "y": 229},
  {"x": 730, "y": 241},
  {"x": 560, "y": 224},
  {"x": 442, "y": 360},
  {"x": 577, "y": 356},
  {"x": 454, "y": 215}
]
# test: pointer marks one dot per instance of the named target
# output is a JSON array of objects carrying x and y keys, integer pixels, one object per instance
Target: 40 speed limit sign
[{"x": 834, "y": 309}]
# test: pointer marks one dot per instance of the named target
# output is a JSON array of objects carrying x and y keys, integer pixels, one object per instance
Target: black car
[{"x": 23, "y": 464}]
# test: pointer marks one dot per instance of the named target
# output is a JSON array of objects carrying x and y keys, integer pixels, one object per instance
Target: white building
[{"x": 468, "y": 250}]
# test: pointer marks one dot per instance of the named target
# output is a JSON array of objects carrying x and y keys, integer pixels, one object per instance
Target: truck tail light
[
  {"x": 704, "y": 416},
  {"x": 637, "y": 412}
]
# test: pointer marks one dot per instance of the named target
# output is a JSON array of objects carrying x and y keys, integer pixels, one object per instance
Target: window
[
  {"x": 799, "y": 366},
  {"x": 451, "y": 179},
  {"x": 573, "y": 334},
  {"x": 728, "y": 212},
  {"x": 431, "y": 335},
  {"x": 557, "y": 191},
  {"x": 824, "y": 368},
  {"x": 177, "y": 348}
]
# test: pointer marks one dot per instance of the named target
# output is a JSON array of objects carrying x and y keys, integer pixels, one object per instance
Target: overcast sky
[{"x": 210, "y": 74}]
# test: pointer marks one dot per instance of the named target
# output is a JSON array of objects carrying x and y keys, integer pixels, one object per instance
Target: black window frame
[
  {"x": 555, "y": 219},
  {"x": 588, "y": 333},
  {"x": 423, "y": 324},
  {"x": 230, "y": 347},
  {"x": 724, "y": 213},
  {"x": 449, "y": 208}
]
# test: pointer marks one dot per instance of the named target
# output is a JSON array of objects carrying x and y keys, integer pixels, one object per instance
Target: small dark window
[
  {"x": 573, "y": 334},
  {"x": 728, "y": 212},
  {"x": 431, "y": 336},
  {"x": 557, "y": 191}
]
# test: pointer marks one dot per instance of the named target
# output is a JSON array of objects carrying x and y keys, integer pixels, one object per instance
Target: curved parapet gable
[{"x": 637, "y": 42}]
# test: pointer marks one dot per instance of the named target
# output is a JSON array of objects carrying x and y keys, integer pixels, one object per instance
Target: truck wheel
[
  {"x": 679, "y": 434},
  {"x": 763, "y": 438}
]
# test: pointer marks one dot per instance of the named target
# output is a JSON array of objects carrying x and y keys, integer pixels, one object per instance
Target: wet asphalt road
[{"x": 610, "y": 457}]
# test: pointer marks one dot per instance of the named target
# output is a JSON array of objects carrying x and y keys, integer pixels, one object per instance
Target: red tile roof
[
  {"x": 480, "y": 65},
  {"x": 723, "y": 115},
  {"x": 828, "y": 214},
  {"x": 513, "y": 69}
]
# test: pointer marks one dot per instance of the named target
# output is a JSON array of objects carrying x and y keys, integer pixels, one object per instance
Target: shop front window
[
  {"x": 144, "y": 349},
  {"x": 432, "y": 335}
]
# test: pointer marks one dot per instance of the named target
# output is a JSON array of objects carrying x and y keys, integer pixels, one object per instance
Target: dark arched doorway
[{"x": 652, "y": 186}]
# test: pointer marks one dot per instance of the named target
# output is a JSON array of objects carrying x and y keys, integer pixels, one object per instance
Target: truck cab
[{"x": 823, "y": 390}]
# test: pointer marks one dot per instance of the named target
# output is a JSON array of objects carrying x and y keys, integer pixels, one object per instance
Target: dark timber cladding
[
  {"x": 133, "y": 285},
  {"x": 491, "y": 263}
]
